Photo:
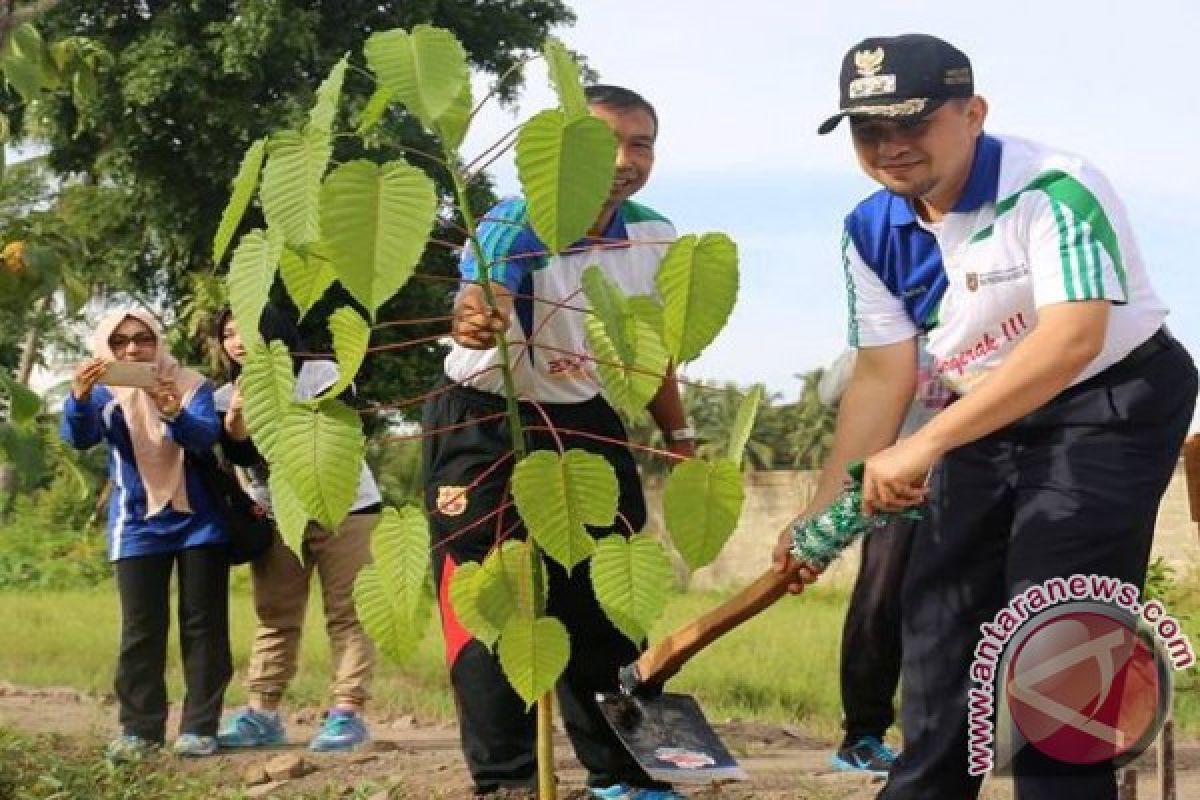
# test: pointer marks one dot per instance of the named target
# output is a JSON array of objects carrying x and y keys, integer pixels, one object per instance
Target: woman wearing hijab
[
  {"x": 160, "y": 519},
  {"x": 281, "y": 577}
]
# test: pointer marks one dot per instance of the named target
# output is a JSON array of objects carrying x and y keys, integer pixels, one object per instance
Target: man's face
[
  {"x": 928, "y": 159},
  {"x": 635, "y": 131}
]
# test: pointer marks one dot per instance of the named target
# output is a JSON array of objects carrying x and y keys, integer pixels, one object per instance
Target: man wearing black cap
[{"x": 1017, "y": 264}]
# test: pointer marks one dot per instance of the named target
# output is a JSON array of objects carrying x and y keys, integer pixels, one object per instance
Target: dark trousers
[
  {"x": 1071, "y": 488},
  {"x": 871, "y": 642},
  {"x": 144, "y": 586},
  {"x": 497, "y": 731}
]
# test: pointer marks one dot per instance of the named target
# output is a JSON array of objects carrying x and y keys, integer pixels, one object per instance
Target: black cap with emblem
[{"x": 900, "y": 77}]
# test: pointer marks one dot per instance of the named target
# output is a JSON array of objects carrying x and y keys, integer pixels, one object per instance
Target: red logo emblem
[{"x": 1083, "y": 688}]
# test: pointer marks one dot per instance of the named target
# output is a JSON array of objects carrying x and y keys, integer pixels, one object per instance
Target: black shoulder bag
[{"x": 247, "y": 524}]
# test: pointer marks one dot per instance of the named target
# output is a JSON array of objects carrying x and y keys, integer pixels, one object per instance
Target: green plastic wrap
[{"x": 817, "y": 541}]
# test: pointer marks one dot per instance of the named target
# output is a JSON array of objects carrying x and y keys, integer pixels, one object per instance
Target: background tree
[{"x": 194, "y": 84}]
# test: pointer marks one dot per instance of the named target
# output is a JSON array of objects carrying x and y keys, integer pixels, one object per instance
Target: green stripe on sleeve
[
  {"x": 1064, "y": 250},
  {"x": 1085, "y": 208}
]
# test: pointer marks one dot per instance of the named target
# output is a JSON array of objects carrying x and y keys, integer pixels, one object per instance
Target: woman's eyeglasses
[{"x": 120, "y": 341}]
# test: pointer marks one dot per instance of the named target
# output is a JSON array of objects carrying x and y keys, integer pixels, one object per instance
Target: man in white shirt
[{"x": 1017, "y": 262}]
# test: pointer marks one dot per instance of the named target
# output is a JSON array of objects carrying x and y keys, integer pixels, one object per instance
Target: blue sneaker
[
  {"x": 343, "y": 730},
  {"x": 865, "y": 754},
  {"x": 623, "y": 791},
  {"x": 193, "y": 745},
  {"x": 128, "y": 749},
  {"x": 252, "y": 728}
]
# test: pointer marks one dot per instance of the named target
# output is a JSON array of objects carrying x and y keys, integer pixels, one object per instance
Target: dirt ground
[{"x": 422, "y": 761}]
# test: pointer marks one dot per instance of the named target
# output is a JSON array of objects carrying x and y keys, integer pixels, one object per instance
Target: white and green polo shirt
[
  {"x": 547, "y": 341},
  {"x": 1034, "y": 227}
]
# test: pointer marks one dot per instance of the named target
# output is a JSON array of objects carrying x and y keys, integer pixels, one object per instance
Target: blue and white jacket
[{"x": 130, "y": 532}]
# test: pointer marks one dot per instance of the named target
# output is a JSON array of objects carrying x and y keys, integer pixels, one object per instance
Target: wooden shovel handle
[
  {"x": 1191, "y": 471},
  {"x": 668, "y": 656}
]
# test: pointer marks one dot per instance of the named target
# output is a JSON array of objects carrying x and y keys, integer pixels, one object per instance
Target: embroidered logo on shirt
[
  {"x": 1005, "y": 275},
  {"x": 452, "y": 500}
]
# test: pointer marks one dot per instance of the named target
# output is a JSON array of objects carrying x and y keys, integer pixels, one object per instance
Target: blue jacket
[{"x": 130, "y": 532}]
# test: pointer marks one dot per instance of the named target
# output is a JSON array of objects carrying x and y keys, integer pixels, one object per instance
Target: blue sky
[{"x": 740, "y": 95}]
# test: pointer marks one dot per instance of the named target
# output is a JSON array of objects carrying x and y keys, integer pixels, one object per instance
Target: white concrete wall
[{"x": 773, "y": 498}]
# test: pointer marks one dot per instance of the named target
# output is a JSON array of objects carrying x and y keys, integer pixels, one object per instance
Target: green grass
[{"x": 780, "y": 667}]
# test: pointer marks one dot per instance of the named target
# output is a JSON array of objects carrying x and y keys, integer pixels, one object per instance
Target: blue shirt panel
[
  {"x": 905, "y": 256},
  {"x": 130, "y": 532},
  {"x": 515, "y": 252}
]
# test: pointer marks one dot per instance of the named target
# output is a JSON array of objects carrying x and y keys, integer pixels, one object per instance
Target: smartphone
[{"x": 140, "y": 374}]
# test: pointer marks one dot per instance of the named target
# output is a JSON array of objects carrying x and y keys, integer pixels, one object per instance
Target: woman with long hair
[
  {"x": 281, "y": 577},
  {"x": 160, "y": 520}
]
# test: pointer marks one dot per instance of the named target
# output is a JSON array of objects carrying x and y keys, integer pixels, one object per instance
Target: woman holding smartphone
[
  {"x": 160, "y": 519},
  {"x": 281, "y": 577}
]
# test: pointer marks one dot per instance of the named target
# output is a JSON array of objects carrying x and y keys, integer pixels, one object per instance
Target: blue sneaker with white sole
[
  {"x": 865, "y": 754},
  {"x": 623, "y": 791},
  {"x": 342, "y": 730},
  {"x": 252, "y": 728},
  {"x": 193, "y": 745}
]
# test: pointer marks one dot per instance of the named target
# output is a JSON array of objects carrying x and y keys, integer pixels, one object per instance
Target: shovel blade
[{"x": 670, "y": 738}]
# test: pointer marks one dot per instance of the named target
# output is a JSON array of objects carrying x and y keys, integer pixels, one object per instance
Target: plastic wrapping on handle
[{"x": 817, "y": 541}]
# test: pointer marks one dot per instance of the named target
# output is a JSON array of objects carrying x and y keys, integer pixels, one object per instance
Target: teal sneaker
[
  {"x": 623, "y": 791},
  {"x": 342, "y": 730},
  {"x": 129, "y": 749},
  {"x": 252, "y": 728},
  {"x": 865, "y": 754},
  {"x": 193, "y": 745}
]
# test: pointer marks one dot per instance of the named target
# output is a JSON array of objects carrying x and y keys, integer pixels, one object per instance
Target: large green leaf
[
  {"x": 648, "y": 310},
  {"x": 564, "y": 74},
  {"x": 392, "y": 595},
  {"x": 288, "y": 511},
  {"x": 558, "y": 495},
  {"x": 377, "y": 220},
  {"x": 464, "y": 599},
  {"x": 610, "y": 306},
  {"x": 701, "y": 505},
  {"x": 351, "y": 334},
  {"x": 251, "y": 274},
  {"x": 628, "y": 385},
  {"x": 23, "y": 62},
  {"x": 632, "y": 578},
  {"x": 698, "y": 281},
  {"x": 426, "y": 69},
  {"x": 268, "y": 384},
  {"x": 244, "y": 184},
  {"x": 324, "y": 111},
  {"x": 374, "y": 110},
  {"x": 320, "y": 451},
  {"x": 743, "y": 424},
  {"x": 566, "y": 169},
  {"x": 23, "y": 403},
  {"x": 452, "y": 126},
  {"x": 507, "y": 584},
  {"x": 534, "y": 655},
  {"x": 291, "y": 183},
  {"x": 306, "y": 276}
]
